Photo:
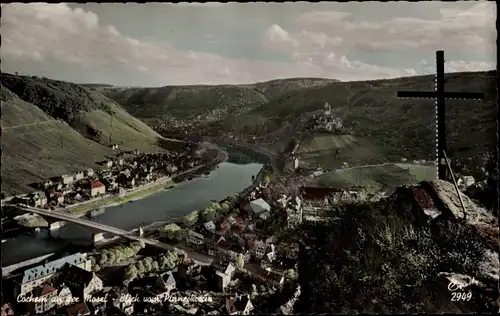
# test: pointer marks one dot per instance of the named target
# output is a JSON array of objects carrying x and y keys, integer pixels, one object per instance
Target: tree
[
  {"x": 209, "y": 215},
  {"x": 140, "y": 267},
  {"x": 130, "y": 272},
  {"x": 147, "y": 262},
  {"x": 174, "y": 231},
  {"x": 155, "y": 266},
  {"x": 267, "y": 178},
  {"x": 291, "y": 275},
  {"x": 240, "y": 261},
  {"x": 190, "y": 219}
]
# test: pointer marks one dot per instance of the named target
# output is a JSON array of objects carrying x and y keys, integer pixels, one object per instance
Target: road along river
[{"x": 226, "y": 180}]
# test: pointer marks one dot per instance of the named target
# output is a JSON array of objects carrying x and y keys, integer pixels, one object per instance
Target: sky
[{"x": 157, "y": 44}]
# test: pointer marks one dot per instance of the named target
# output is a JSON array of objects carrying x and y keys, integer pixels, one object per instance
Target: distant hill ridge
[
  {"x": 370, "y": 111},
  {"x": 191, "y": 100}
]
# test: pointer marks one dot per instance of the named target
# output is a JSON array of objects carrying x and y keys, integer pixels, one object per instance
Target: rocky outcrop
[{"x": 416, "y": 247}]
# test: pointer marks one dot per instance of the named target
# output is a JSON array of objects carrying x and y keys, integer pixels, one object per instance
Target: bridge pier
[
  {"x": 97, "y": 237},
  {"x": 56, "y": 225}
]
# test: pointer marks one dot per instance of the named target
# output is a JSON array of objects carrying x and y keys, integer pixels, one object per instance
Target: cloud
[
  {"x": 199, "y": 4},
  {"x": 55, "y": 34},
  {"x": 466, "y": 30},
  {"x": 462, "y": 66}
]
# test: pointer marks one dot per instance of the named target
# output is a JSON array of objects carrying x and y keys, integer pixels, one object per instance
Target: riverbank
[{"x": 147, "y": 190}]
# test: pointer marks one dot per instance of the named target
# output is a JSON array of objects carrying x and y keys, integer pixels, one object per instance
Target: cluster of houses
[
  {"x": 240, "y": 235},
  {"x": 325, "y": 122},
  {"x": 65, "y": 286},
  {"x": 117, "y": 176}
]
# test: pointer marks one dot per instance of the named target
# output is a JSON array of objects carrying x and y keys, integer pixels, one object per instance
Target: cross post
[{"x": 440, "y": 95}]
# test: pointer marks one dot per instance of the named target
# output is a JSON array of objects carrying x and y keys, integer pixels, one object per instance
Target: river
[{"x": 228, "y": 179}]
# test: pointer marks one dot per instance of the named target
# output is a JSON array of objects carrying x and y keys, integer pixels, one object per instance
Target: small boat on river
[{"x": 96, "y": 212}]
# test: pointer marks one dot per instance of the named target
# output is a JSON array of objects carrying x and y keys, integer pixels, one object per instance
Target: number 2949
[{"x": 461, "y": 296}]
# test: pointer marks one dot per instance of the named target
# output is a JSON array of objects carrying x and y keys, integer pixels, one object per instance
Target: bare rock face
[{"x": 474, "y": 214}]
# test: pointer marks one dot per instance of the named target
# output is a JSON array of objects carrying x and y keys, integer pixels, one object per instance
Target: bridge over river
[{"x": 101, "y": 227}]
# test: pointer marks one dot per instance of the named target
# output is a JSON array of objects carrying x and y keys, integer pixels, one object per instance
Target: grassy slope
[
  {"x": 375, "y": 178},
  {"x": 322, "y": 148},
  {"x": 65, "y": 129}
]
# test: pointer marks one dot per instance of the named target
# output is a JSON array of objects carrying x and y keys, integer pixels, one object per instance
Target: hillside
[
  {"x": 394, "y": 256},
  {"x": 373, "y": 178},
  {"x": 52, "y": 127},
  {"x": 396, "y": 127},
  {"x": 190, "y": 101}
]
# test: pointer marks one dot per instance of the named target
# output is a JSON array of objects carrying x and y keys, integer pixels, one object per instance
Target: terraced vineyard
[{"x": 331, "y": 151}]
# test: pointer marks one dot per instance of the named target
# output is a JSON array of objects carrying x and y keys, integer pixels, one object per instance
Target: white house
[
  {"x": 67, "y": 179},
  {"x": 210, "y": 226},
  {"x": 78, "y": 175},
  {"x": 231, "y": 220},
  {"x": 89, "y": 172},
  {"x": 466, "y": 181},
  {"x": 64, "y": 297},
  {"x": 224, "y": 276},
  {"x": 258, "y": 206},
  {"x": 166, "y": 281}
]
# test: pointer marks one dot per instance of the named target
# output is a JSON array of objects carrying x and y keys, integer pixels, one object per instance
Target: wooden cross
[{"x": 440, "y": 95}]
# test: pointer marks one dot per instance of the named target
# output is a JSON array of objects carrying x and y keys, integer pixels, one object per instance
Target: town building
[
  {"x": 258, "y": 206},
  {"x": 78, "y": 176},
  {"x": 224, "y": 275},
  {"x": 294, "y": 213},
  {"x": 81, "y": 282},
  {"x": 241, "y": 305},
  {"x": 166, "y": 281},
  {"x": 89, "y": 172},
  {"x": 210, "y": 226},
  {"x": 65, "y": 296},
  {"x": 195, "y": 238},
  {"x": 269, "y": 258},
  {"x": 7, "y": 309},
  {"x": 119, "y": 299},
  {"x": 97, "y": 188},
  {"x": 80, "y": 309},
  {"x": 130, "y": 182},
  {"x": 39, "y": 275},
  {"x": 264, "y": 215},
  {"x": 67, "y": 179},
  {"x": 43, "y": 299},
  {"x": 466, "y": 181},
  {"x": 47, "y": 184},
  {"x": 38, "y": 199},
  {"x": 259, "y": 249},
  {"x": 276, "y": 278}
]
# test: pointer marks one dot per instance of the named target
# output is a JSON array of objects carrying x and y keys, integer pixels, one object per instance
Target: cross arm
[
  {"x": 446, "y": 95},
  {"x": 418, "y": 94}
]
